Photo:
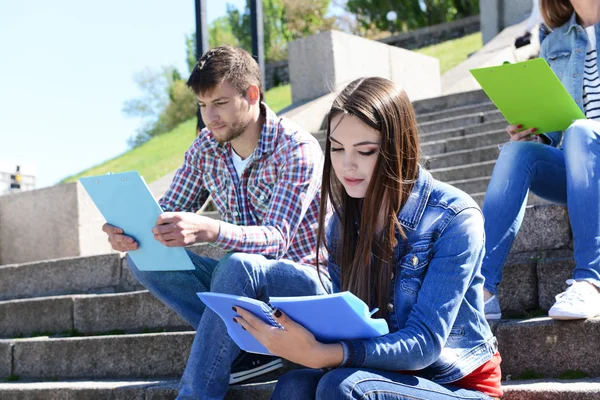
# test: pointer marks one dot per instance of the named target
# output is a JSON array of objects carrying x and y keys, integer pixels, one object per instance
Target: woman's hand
[
  {"x": 294, "y": 342},
  {"x": 518, "y": 134}
]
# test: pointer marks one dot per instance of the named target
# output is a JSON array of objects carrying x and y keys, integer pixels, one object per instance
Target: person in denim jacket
[
  {"x": 566, "y": 175},
  {"x": 404, "y": 243}
]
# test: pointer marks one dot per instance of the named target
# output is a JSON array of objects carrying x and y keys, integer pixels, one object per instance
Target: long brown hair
[
  {"x": 365, "y": 256},
  {"x": 556, "y": 12}
]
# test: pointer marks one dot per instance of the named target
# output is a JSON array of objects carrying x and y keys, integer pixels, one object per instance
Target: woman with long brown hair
[
  {"x": 404, "y": 243},
  {"x": 560, "y": 168}
]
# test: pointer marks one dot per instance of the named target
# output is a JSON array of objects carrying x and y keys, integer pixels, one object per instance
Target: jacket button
[
  {"x": 390, "y": 307},
  {"x": 414, "y": 260}
]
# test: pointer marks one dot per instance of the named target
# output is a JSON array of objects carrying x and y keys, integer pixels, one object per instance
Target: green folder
[{"x": 530, "y": 94}]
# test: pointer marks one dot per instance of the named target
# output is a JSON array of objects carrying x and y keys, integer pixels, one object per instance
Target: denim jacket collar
[
  {"x": 410, "y": 215},
  {"x": 572, "y": 24}
]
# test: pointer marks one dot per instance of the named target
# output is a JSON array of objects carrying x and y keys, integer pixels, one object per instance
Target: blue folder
[
  {"x": 331, "y": 317},
  {"x": 125, "y": 201}
]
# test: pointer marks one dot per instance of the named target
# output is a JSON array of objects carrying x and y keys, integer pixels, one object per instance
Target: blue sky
[{"x": 66, "y": 67}]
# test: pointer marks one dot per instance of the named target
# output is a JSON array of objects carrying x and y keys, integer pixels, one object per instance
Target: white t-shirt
[
  {"x": 239, "y": 164},
  {"x": 591, "y": 79}
]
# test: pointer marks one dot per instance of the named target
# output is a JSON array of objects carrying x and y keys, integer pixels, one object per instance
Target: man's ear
[{"x": 253, "y": 94}]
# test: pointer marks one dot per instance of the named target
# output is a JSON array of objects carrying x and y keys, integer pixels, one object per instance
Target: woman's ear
[{"x": 253, "y": 94}]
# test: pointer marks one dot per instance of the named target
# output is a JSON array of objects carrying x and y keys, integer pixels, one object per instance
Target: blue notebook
[
  {"x": 125, "y": 201},
  {"x": 331, "y": 317}
]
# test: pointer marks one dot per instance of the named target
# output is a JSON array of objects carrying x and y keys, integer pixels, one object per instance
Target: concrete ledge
[
  {"x": 545, "y": 389},
  {"x": 121, "y": 356},
  {"x": 455, "y": 112},
  {"x": 25, "y": 317},
  {"x": 62, "y": 276},
  {"x": 59, "y": 221},
  {"x": 340, "y": 60},
  {"x": 549, "y": 347},
  {"x": 450, "y": 101}
]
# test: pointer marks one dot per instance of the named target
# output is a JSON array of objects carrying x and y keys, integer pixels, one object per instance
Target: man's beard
[{"x": 232, "y": 133}]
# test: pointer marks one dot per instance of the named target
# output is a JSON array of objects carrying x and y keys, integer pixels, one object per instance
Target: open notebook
[
  {"x": 125, "y": 201},
  {"x": 529, "y": 93},
  {"x": 331, "y": 317}
]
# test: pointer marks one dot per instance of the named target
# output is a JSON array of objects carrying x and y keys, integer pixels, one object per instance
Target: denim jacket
[
  {"x": 436, "y": 320},
  {"x": 565, "y": 50}
]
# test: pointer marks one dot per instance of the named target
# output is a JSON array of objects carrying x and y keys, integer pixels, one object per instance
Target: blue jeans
[
  {"x": 570, "y": 176},
  {"x": 206, "y": 374},
  {"x": 352, "y": 383}
]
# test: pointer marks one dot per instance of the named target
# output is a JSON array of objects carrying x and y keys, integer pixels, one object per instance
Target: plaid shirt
[{"x": 273, "y": 208}]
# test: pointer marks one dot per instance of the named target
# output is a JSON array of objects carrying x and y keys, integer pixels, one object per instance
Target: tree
[
  {"x": 165, "y": 102},
  {"x": 411, "y": 14}
]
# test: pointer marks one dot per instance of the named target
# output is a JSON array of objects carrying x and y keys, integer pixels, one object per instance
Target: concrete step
[
  {"x": 107, "y": 273},
  {"x": 450, "y": 101},
  {"x": 545, "y": 348},
  {"x": 456, "y": 111},
  {"x": 87, "y": 314},
  {"x": 552, "y": 389},
  {"x": 462, "y": 157},
  {"x": 165, "y": 389},
  {"x": 459, "y": 121},
  {"x": 473, "y": 185},
  {"x": 539, "y": 389},
  {"x": 467, "y": 171},
  {"x": 495, "y": 125},
  {"x": 540, "y": 347},
  {"x": 472, "y": 141}
]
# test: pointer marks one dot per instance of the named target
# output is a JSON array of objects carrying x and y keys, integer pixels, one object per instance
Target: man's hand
[
  {"x": 177, "y": 229},
  {"x": 118, "y": 240}
]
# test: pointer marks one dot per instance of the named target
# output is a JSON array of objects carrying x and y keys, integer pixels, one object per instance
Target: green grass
[
  {"x": 453, "y": 52},
  {"x": 153, "y": 159},
  {"x": 164, "y": 153},
  {"x": 279, "y": 97}
]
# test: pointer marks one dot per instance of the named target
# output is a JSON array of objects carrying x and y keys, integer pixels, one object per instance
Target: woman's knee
[
  {"x": 581, "y": 134},
  {"x": 297, "y": 385}
]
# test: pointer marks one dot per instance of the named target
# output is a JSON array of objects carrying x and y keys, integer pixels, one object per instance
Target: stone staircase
[{"x": 83, "y": 328}]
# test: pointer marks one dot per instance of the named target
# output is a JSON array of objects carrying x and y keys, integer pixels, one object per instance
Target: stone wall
[
  {"x": 276, "y": 73},
  {"x": 434, "y": 34}
]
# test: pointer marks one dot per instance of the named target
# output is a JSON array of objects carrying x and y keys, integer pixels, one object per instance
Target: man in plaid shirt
[{"x": 264, "y": 176}]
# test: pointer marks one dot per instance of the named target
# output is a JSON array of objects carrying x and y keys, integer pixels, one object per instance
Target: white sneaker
[{"x": 580, "y": 301}]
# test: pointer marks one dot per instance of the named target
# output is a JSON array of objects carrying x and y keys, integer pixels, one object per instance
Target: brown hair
[
  {"x": 384, "y": 106},
  {"x": 556, "y": 12},
  {"x": 226, "y": 63}
]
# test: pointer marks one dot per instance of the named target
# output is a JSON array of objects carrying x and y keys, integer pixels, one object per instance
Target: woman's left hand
[{"x": 294, "y": 343}]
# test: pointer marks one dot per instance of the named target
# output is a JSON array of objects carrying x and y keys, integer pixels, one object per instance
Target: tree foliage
[
  {"x": 411, "y": 14},
  {"x": 165, "y": 102}
]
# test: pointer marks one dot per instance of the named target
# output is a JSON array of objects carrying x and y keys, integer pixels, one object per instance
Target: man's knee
[{"x": 236, "y": 267}]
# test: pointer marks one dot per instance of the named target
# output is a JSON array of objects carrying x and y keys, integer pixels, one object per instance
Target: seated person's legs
[
  {"x": 250, "y": 275},
  {"x": 521, "y": 166},
  {"x": 351, "y": 383},
  {"x": 177, "y": 289},
  {"x": 582, "y": 158}
]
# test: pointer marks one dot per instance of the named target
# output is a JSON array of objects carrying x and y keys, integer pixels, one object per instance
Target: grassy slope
[{"x": 164, "y": 153}]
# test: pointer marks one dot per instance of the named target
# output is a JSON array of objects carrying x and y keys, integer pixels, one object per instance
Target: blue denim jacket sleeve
[{"x": 457, "y": 256}]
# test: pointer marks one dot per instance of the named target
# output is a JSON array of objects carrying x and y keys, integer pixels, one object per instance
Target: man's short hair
[{"x": 225, "y": 63}]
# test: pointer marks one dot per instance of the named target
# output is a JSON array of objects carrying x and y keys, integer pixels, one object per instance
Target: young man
[{"x": 264, "y": 176}]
